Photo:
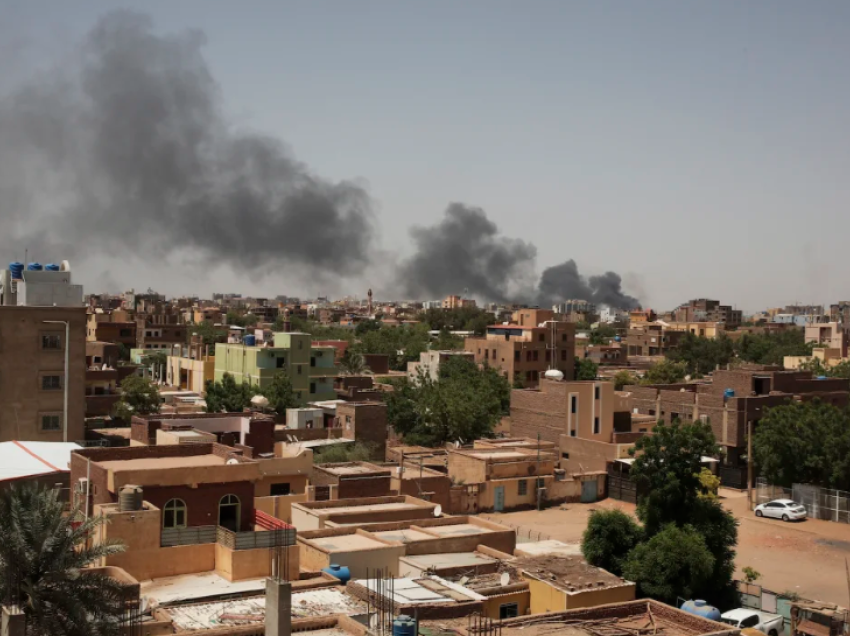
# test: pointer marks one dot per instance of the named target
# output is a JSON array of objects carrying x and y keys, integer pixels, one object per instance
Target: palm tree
[{"x": 44, "y": 554}]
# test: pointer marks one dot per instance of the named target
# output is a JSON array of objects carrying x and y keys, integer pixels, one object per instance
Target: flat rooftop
[
  {"x": 403, "y": 536},
  {"x": 189, "y": 587},
  {"x": 458, "y": 530},
  {"x": 352, "y": 469},
  {"x": 152, "y": 463},
  {"x": 347, "y": 542},
  {"x": 570, "y": 574},
  {"x": 376, "y": 507},
  {"x": 550, "y": 546},
  {"x": 450, "y": 560}
]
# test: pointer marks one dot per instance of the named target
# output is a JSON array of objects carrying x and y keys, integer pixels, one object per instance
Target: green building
[{"x": 311, "y": 369}]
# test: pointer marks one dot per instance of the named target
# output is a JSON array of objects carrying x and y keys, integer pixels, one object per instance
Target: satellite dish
[
  {"x": 232, "y": 461},
  {"x": 438, "y": 510},
  {"x": 505, "y": 579}
]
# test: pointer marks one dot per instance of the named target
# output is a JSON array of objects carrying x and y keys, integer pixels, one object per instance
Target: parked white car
[
  {"x": 784, "y": 509},
  {"x": 770, "y": 624}
]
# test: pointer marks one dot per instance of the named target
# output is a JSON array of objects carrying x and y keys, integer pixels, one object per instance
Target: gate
[
  {"x": 588, "y": 491},
  {"x": 499, "y": 498}
]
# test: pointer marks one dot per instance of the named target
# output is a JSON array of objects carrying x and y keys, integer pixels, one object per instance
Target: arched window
[
  {"x": 229, "y": 511},
  {"x": 174, "y": 514}
]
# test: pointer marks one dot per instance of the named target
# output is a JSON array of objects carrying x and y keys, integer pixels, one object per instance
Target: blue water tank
[
  {"x": 729, "y": 393},
  {"x": 403, "y": 625},
  {"x": 617, "y": 338},
  {"x": 34, "y": 267},
  {"x": 701, "y": 608},
  {"x": 52, "y": 267},
  {"x": 249, "y": 340},
  {"x": 17, "y": 270},
  {"x": 821, "y": 377},
  {"x": 339, "y": 571}
]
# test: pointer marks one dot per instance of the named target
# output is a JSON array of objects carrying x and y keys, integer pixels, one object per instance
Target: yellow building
[
  {"x": 706, "y": 329},
  {"x": 191, "y": 367}
]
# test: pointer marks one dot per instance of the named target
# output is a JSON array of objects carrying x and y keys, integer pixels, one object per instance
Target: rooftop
[
  {"x": 570, "y": 574},
  {"x": 347, "y": 542},
  {"x": 403, "y": 535},
  {"x": 425, "y": 590},
  {"x": 28, "y": 459},
  {"x": 550, "y": 547},
  {"x": 151, "y": 463},
  {"x": 458, "y": 530},
  {"x": 450, "y": 560},
  {"x": 192, "y": 587},
  {"x": 352, "y": 468}
]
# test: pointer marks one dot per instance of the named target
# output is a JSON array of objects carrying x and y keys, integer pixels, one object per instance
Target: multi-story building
[
  {"x": 103, "y": 377},
  {"x": 111, "y": 326},
  {"x": 648, "y": 339},
  {"x": 641, "y": 316},
  {"x": 310, "y": 369},
  {"x": 832, "y": 335},
  {"x": 457, "y": 302},
  {"x": 160, "y": 331},
  {"x": 525, "y": 349},
  {"x": 189, "y": 367},
  {"x": 430, "y": 361},
  {"x": 840, "y": 311},
  {"x": 703, "y": 329},
  {"x": 705, "y": 310}
]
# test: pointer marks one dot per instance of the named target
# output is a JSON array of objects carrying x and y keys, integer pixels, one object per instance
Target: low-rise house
[
  {"x": 315, "y": 515},
  {"x": 348, "y": 480},
  {"x": 414, "y": 479}
]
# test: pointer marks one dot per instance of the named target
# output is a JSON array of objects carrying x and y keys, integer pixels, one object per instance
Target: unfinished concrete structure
[{"x": 315, "y": 515}]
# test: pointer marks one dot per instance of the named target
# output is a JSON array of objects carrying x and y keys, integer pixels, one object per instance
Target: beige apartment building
[
  {"x": 832, "y": 335},
  {"x": 526, "y": 348},
  {"x": 32, "y": 367}
]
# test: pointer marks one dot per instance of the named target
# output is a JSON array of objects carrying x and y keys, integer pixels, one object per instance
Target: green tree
[
  {"x": 840, "y": 370},
  {"x": 709, "y": 484},
  {"x": 804, "y": 442},
  {"x": 227, "y": 396},
  {"x": 667, "y": 469},
  {"x": 459, "y": 319},
  {"x": 665, "y": 372},
  {"x": 280, "y": 394},
  {"x": 446, "y": 341},
  {"x": 139, "y": 396},
  {"x": 771, "y": 348},
  {"x": 401, "y": 344},
  {"x": 609, "y": 537},
  {"x": 518, "y": 383},
  {"x": 209, "y": 333},
  {"x": 365, "y": 326},
  {"x": 156, "y": 359},
  {"x": 43, "y": 558},
  {"x": 702, "y": 355},
  {"x": 602, "y": 335},
  {"x": 674, "y": 563},
  {"x": 622, "y": 379},
  {"x": 339, "y": 453},
  {"x": 352, "y": 363},
  {"x": 586, "y": 369},
  {"x": 751, "y": 574}
]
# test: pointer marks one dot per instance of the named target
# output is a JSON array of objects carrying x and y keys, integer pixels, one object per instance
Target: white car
[
  {"x": 784, "y": 509},
  {"x": 770, "y": 624}
]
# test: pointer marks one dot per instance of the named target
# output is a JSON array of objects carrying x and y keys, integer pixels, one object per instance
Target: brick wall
[
  {"x": 260, "y": 436},
  {"x": 364, "y": 486},
  {"x": 368, "y": 424},
  {"x": 202, "y": 502},
  {"x": 543, "y": 412}
]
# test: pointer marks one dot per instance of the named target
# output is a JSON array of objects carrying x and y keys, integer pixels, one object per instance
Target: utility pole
[
  {"x": 750, "y": 463},
  {"x": 537, "y": 475}
]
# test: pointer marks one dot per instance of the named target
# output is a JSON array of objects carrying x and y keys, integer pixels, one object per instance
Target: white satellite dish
[
  {"x": 232, "y": 461},
  {"x": 505, "y": 579},
  {"x": 438, "y": 510}
]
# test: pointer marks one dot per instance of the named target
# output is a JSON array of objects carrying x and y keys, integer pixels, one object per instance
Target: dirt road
[{"x": 806, "y": 558}]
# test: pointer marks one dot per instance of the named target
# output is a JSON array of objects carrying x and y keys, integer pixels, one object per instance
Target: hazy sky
[{"x": 698, "y": 149}]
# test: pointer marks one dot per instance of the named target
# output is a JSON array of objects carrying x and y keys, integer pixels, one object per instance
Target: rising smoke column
[
  {"x": 125, "y": 148},
  {"x": 465, "y": 251}
]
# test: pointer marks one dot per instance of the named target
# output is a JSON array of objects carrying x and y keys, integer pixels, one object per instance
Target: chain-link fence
[{"x": 820, "y": 503}]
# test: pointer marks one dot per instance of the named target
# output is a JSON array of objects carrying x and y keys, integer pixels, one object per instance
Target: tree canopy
[
  {"x": 804, "y": 443},
  {"x": 209, "y": 333},
  {"x": 818, "y": 368},
  {"x": 771, "y": 348},
  {"x": 586, "y": 369},
  {"x": 227, "y": 396},
  {"x": 43, "y": 556},
  {"x": 602, "y": 335},
  {"x": 401, "y": 344},
  {"x": 280, "y": 394},
  {"x": 241, "y": 320},
  {"x": 464, "y": 402},
  {"x": 459, "y": 319},
  {"x": 609, "y": 537},
  {"x": 139, "y": 396},
  {"x": 622, "y": 379},
  {"x": 665, "y": 372},
  {"x": 702, "y": 355}
]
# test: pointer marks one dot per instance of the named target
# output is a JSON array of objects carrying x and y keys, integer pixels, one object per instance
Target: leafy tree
[
  {"x": 674, "y": 562},
  {"x": 352, "y": 363},
  {"x": 459, "y": 319},
  {"x": 609, "y": 537},
  {"x": 446, "y": 341},
  {"x": 840, "y": 370},
  {"x": 139, "y": 396},
  {"x": 751, "y": 575},
  {"x": 665, "y": 372},
  {"x": 123, "y": 351},
  {"x": 43, "y": 556},
  {"x": 336, "y": 454},
  {"x": 709, "y": 484},
  {"x": 771, "y": 348},
  {"x": 401, "y": 344},
  {"x": 719, "y": 529},
  {"x": 602, "y": 335},
  {"x": 804, "y": 442},
  {"x": 280, "y": 394},
  {"x": 155, "y": 359},
  {"x": 518, "y": 383},
  {"x": 227, "y": 396},
  {"x": 209, "y": 333},
  {"x": 586, "y": 369},
  {"x": 623, "y": 379},
  {"x": 365, "y": 326},
  {"x": 701, "y": 355}
]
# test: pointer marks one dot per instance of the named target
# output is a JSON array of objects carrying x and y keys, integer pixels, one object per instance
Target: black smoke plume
[
  {"x": 125, "y": 149},
  {"x": 464, "y": 253}
]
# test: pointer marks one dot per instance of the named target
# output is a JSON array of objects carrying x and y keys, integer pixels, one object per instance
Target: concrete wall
[
  {"x": 547, "y": 598},
  {"x": 279, "y": 507},
  {"x": 314, "y": 559},
  {"x": 493, "y": 604},
  {"x": 240, "y": 565},
  {"x": 584, "y": 455},
  {"x": 297, "y": 485}
]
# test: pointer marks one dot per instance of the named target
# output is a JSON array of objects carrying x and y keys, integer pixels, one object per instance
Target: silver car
[{"x": 784, "y": 509}]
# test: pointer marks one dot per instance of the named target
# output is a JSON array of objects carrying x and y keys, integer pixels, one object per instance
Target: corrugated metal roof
[{"x": 28, "y": 459}]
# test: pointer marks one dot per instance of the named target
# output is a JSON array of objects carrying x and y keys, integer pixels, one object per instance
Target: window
[
  {"x": 280, "y": 489},
  {"x": 596, "y": 426},
  {"x": 563, "y": 337},
  {"x": 565, "y": 455},
  {"x": 51, "y": 382},
  {"x": 494, "y": 355},
  {"x": 312, "y": 387},
  {"x": 312, "y": 361},
  {"x": 508, "y": 610},
  {"x": 573, "y": 433},
  {"x": 516, "y": 356},
  {"x": 652, "y": 411},
  {"x": 486, "y": 354},
  {"x": 229, "y": 510},
  {"x": 125, "y": 333},
  {"x": 541, "y": 337},
  {"x": 348, "y": 419},
  {"x": 97, "y": 359},
  {"x": 300, "y": 344},
  {"x": 563, "y": 354},
  {"x": 573, "y": 404},
  {"x": 596, "y": 393},
  {"x": 299, "y": 369},
  {"x": 750, "y": 621},
  {"x": 50, "y": 422},
  {"x": 174, "y": 514},
  {"x": 536, "y": 355},
  {"x": 280, "y": 363},
  {"x": 51, "y": 342},
  {"x": 522, "y": 487},
  {"x": 703, "y": 418}
]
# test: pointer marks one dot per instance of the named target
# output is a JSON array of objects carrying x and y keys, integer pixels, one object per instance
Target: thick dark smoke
[
  {"x": 465, "y": 251},
  {"x": 126, "y": 150}
]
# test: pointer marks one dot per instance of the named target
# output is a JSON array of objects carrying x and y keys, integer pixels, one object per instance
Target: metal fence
[
  {"x": 820, "y": 503},
  {"x": 757, "y": 598},
  {"x": 253, "y": 540},
  {"x": 187, "y": 536}
]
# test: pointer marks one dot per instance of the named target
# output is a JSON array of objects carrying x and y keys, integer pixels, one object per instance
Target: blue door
[
  {"x": 499, "y": 499},
  {"x": 588, "y": 491}
]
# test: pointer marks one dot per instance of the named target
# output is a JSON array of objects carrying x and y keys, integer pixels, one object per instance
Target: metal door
[
  {"x": 588, "y": 491},
  {"x": 499, "y": 499}
]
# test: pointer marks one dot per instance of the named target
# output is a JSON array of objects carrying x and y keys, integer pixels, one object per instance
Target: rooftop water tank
[
  {"x": 729, "y": 393},
  {"x": 130, "y": 498},
  {"x": 17, "y": 270},
  {"x": 34, "y": 267},
  {"x": 403, "y": 625},
  {"x": 339, "y": 571},
  {"x": 701, "y": 608},
  {"x": 554, "y": 374},
  {"x": 821, "y": 377},
  {"x": 617, "y": 339},
  {"x": 249, "y": 341},
  {"x": 52, "y": 267}
]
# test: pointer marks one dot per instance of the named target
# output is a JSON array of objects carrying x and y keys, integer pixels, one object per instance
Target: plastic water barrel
[
  {"x": 701, "y": 608},
  {"x": 130, "y": 498},
  {"x": 729, "y": 393},
  {"x": 403, "y": 625},
  {"x": 821, "y": 377},
  {"x": 618, "y": 339},
  {"x": 249, "y": 341},
  {"x": 52, "y": 267},
  {"x": 339, "y": 571},
  {"x": 34, "y": 267},
  {"x": 17, "y": 270}
]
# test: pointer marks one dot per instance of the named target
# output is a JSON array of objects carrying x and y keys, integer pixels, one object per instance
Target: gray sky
[{"x": 695, "y": 148}]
